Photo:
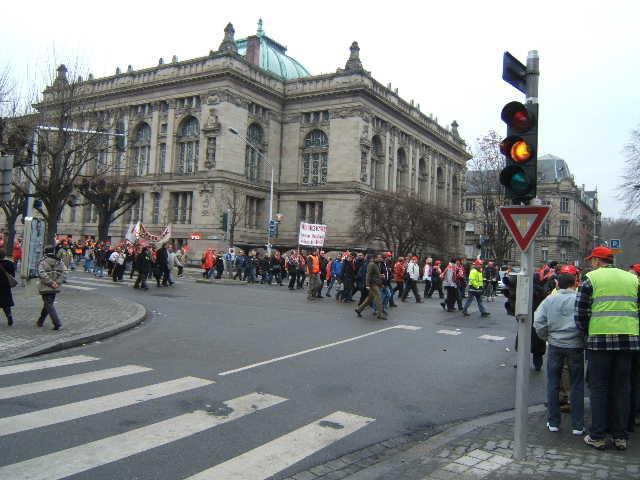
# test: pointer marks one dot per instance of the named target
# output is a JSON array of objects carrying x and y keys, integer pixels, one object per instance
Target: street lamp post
[{"x": 261, "y": 155}]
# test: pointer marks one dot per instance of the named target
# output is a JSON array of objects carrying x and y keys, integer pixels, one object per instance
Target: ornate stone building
[
  {"x": 573, "y": 226},
  {"x": 329, "y": 138}
]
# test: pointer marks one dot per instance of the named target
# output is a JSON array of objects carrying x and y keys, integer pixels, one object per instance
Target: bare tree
[
  {"x": 401, "y": 223},
  {"x": 111, "y": 196},
  {"x": 483, "y": 181},
  {"x": 631, "y": 184},
  {"x": 66, "y": 138},
  {"x": 12, "y": 210},
  {"x": 234, "y": 202}
]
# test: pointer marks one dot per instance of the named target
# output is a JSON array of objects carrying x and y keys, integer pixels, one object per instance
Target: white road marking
[
  {"x": 73, "y": 411},
  {"x": 71, "y": 381},
  {"x": 78, "y": 459},
  {"x": 322, "y": 347},
  {"x": 450, "y": 332},
  {"x": 55, "y": 362},
  {"x": 491, "y": 338},
  {"x": 90, "y": 283},
  {"x": 273, "y": 457},
  {"x": 77, "y": 287}
]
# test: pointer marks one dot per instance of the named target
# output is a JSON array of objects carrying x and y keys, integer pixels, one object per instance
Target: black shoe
[
  {"x": 444, "y": 307},
  {"x": 57, "y": 327},
  {"x": 485, "y": 314},
  {"x": 10, "y": 321},
  {"x": 328, "y": 295},
  {"x": 39, "y": 323},
  {"x": 450, "y": 310},
  {"x": 358, "y": 312},
  {"x": 393, "y": 305},
  {"x": 465, "y": 314}
]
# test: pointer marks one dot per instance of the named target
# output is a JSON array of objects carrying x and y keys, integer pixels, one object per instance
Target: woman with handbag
[{"x": 7, "y": 282}]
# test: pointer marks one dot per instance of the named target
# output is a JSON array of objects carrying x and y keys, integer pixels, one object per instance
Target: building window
[
  {"x": 188, "y": 146},
  {"x": 316, "y": 117},
  {"x": 564, "y": 228},
  {"x": 136, "y": 214},
  {"x": 470, "y": 205},
  {"x": 563, "y": 255},
  {"x": 545, "y": 254},
  {"x": 254, "y": 213},
  {"x": 544, "y": 230},
  {"x": 315, "y": 158},
  {"x": 162, "y": 158},
  {"x": 180, "y": 208},
  {"x": 73, "y": 202},
  {"x": 155, "y": 207},
  {"x": 163, "y": 128},
  {"x": 255, "y": 135},
  {"x": 164, "y": 106},
  {"x": 564, "y": 205},
  {"x": 90, "y": 213},
  {"x": 310, "y": 212},
  {"x": 140, "y": 150}
]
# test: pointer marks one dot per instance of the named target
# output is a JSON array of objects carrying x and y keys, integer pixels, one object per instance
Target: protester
[
  {"x": 476, "y": 289},
  {"x": 448, "y": 281},
  {"x": 51, "y": 271},
  {"x": 7, "y": 282},
  {"x": 554, "y": 322},
  {"x": 373, "y": 282},
  {"x": 607, "y": 308}
]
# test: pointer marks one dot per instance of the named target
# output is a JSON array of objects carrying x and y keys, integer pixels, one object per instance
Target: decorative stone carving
[
  {"x": 213, "y": 123},
  {"x": 223, "y": 95},
  {"x": 210, "y": 161},
  {"x": 155, "y": 188},
  {"x": 354, "y": 64},
  {"x": 347, "y": 112},
  {"x": 228, "y": 44},
  {"x": 364, "y": 161}
]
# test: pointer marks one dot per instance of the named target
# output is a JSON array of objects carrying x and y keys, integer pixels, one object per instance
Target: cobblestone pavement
[
  {"x": 482, "y": 449},
  {"x": 85, "y": 317}
]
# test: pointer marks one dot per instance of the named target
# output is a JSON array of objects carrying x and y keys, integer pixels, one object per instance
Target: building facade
[
  {"x": 570, "y": 232},
  {"x": 203, "y": 131}
]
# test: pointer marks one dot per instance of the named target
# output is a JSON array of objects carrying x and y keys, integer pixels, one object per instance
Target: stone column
[
  {"x": 171, "y": 136},
  {"x": 386, "y": 180},
  {"x": 153, "y": 150}
]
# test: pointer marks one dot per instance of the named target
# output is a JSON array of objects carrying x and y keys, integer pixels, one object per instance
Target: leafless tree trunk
[
  {"x": 234, "y": 202},
  {"x": 484, "y": 181}
]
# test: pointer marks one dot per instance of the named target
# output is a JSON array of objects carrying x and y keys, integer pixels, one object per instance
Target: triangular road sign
[{"x": 524, "y": 222}]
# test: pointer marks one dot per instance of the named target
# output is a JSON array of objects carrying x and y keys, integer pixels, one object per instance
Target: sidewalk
[
  {"x": 482, "y": 448},
  {"x": 85, "y": 316}
]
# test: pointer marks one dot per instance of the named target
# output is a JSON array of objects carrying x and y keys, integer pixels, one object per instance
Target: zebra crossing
[
  {"x": 87, "y": 282},
  {"x": 255, "y": 461}
]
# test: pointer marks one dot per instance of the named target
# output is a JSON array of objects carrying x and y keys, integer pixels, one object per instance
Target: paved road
[{"x": 231, "y": 377}]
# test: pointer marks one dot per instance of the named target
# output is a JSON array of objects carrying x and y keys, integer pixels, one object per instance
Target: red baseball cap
[
  {"x": 478, "y": 263},
  {"x": 636, "y": 268},
  {"x": 389, "y": 254},
  {"x": 570, "y": 269},
  {"x": 601, "y": 252}
]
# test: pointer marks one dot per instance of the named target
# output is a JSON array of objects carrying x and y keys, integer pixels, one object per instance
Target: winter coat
[
  {"x": 554, "y": 320},
  {"x": 143, "y": 262},
  {"x": 6, "y": 299},
  {"x": 50, "y": 270},
  {"x": 373, "y": 274},
  {"x": 413, "y": 269},
  {"x": 449, "y": 276}
]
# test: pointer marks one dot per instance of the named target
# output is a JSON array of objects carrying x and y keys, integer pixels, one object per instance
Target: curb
[{"x": 136, "y": 319}]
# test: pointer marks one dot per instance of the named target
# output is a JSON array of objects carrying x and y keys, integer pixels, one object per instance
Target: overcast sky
[{"x": 447, "y": 56}]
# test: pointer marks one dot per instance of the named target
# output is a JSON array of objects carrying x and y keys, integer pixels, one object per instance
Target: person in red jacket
[{"x": 398, "y": 277}]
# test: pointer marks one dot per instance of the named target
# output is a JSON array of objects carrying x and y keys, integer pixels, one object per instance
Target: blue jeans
[
  {"x": 330, "y": 285},
  {"x": 555, "y": 361},
  {"x": 88, "y": 265},
  {"x": 99, "y": 271},
  {"x": 610, "y": 382},
  {"x": 386, "y": 297},
  {"x": 477, "y": 294}
]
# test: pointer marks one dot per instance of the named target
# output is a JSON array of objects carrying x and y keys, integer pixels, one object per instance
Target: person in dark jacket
[
  {"x": 219, "y": 267},
  {"x": 348, "y": 276},
  {"x": 162, "y": 261},
  {"x": 142, "y": 265},
  {"x": 6, "y": 299}
]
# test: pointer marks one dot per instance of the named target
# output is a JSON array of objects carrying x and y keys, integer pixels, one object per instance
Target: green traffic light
[{"x": 519, "y": 183}]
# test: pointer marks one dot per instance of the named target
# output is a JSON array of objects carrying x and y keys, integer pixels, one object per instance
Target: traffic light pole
[{"x": 524, "y": 303}]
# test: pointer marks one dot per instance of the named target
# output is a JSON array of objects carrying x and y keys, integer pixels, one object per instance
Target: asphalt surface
[{"x": 407, "y": 380}]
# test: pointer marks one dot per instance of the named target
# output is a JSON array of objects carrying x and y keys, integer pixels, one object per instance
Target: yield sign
[{"x": 524, "y": 222}]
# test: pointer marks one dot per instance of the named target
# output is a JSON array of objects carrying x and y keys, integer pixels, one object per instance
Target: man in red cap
[{"x": 607, "y": 308}]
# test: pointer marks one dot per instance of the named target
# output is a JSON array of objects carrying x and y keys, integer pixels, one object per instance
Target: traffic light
[
  {"x": 224, "y": 221},
  {"x": 273, "y": 228},
  {"x": 6, "y": 177},
  {"x": 519, "y": 176}
]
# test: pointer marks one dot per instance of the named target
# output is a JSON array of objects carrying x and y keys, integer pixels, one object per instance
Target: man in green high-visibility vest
[{"x": 607, "y": 306}]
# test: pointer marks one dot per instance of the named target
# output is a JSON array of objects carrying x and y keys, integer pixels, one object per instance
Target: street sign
[
  {"x": 196, "y": 236},
  {"x": 514, "y": 72},
  {"x": 615, "y": 243},
  {"x": 524, "y": 222}
]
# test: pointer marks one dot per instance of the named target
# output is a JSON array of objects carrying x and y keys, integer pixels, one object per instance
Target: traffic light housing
[
  {"x": 6, "y": 177},
  {"x": 520, "y": 148},
  {"x": 273, "y": 228}
]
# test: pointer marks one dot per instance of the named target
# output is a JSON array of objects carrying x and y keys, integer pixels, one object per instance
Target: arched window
[
  {"x": 402, "y": 174},
  {"x": 315, "y": 158},
  {"x": 188, "y": 146},
  {"x": 140, "y": 150},
  {"x": 440, "y": 200},
  {"x": 255, "y": 135}
]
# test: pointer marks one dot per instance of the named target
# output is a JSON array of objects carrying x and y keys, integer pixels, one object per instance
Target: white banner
[{"x": 312, "y": 234}]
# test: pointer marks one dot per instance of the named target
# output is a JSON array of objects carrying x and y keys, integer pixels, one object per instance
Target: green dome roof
[{"x": 273, "y": 57}]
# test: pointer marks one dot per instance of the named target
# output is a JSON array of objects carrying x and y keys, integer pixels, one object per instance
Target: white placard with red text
[{"x": 312, "y": 234}]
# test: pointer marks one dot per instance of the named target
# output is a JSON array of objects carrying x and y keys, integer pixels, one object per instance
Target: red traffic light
[{"x": 516, "y": 115}]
